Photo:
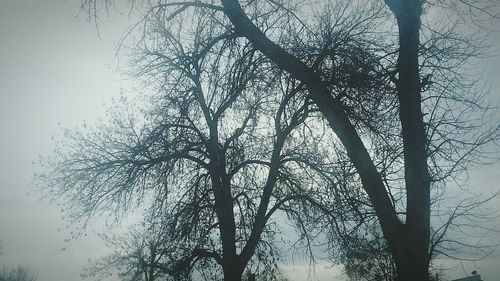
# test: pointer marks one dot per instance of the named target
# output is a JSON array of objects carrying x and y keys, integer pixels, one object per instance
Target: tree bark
[
  {"x": 411, "y": 255},
  {"x": 233, "y": 269},
  {"x": 231, "y": 262}
]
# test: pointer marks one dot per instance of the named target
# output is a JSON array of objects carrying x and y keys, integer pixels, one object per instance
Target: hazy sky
[{"x": 55, "y": 69}]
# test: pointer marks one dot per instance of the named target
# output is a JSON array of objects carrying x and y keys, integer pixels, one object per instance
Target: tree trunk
[
  {"x": 233, "y": 269},
  {"x": 231, "y": 262},
  {"x": 411, "y": 260},
  {"x": 411, "y": 251}
]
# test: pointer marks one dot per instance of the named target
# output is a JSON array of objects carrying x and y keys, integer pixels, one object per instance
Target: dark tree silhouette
[
  {"x": 403, "y": 112},
  {"x": 208, "y": 155},
  {"x": 408, "y": 239},
  {"x": 17, "y": 274},
  {"x": 144, "y": 253},
  {"x": 214, "y": 155}
]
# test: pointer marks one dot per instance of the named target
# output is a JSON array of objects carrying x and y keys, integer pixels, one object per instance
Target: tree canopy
[{"x": 334, "y": 115}]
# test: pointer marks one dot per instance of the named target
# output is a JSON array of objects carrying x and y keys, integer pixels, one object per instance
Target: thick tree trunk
[
  {"x": 410, "y": 257},
  {"x": 411, "y": 252},
  {"x": 233, "y": 269},
  {"x": 231, "y": 262}
]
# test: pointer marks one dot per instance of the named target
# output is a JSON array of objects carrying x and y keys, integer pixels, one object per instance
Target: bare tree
[
  {"x": 208, "y": 155},
  {"x": 411, "y": 258},
  {"x": 401, "y": 141},
  {"x": 17, "y": 274},
  {"x": 145, "y": 252}
]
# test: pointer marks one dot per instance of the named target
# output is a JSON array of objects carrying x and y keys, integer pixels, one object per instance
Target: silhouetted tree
[
  {"x": 213, "y": 154},
  {"x": 142, "y": 253},
  {"x": 17, "y": 274},
  {"x": 400, "y": 138},
  {"x": 409, "y": 238}
]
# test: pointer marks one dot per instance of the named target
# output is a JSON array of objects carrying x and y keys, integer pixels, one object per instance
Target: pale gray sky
[{"x": 55, "y": 69}]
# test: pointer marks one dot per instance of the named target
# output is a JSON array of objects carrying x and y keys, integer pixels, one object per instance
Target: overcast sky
[{"x": 55, "y": 69}]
